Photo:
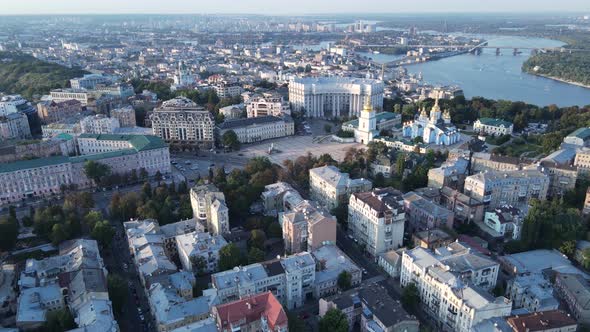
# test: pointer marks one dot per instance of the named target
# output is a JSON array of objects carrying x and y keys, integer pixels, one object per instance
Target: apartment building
[
  {"x": 291, "y": 280},
  {"x": 173, "y": 306},
  {"x": 232, "y": 111},
  {"x": 505, "y": 222},
  {"x": 267, "y": 105},
  {"x": 371, "y": 308},
  {"x": 307, "y": 226},
  {"x": 453, "y": 284},
  {"x": 90, "y": 81},
  {"x": 210, "y": 209},
  {"x": 258, "y": 129},
  {"x": 50, "y": 111},
  {"x": 432, "y": 239},
  {"x": 495, "y": 127},
  {"x": 376, "y": 219},
  {"x": 515, "y": 188},
  {"x": 199, "y": 246},
  {"x": 261, "y": 312},
  {"x": 582, "y": 162},
  {"x": 147, "y": 248},
  {"x": 75, "y": 280},
  {"x": 531, "y": 292},
  {"x": 552, "y": 320},
  {"x": 483, "y": 161},
  {"x": 181, "y": 121},
  {"x": 574, "y": 290},
  {"x": 61, "y": 95},
  {"x": 330, "y": 187},
  {"x": 331, "y": 262},
  {"x": 14, "y": 126},
  {"x": 125, "y": 116},
  {"x": 423, "y": 214},
  {"x": 466, "y": 209},
  {"x": 99, "y": 124},
  {"x": 227, "y": 89},
  {"x": 279, "y": 197},
  {"x": 451, "y": 173}
]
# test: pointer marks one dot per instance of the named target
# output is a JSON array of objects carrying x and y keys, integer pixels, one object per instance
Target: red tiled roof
[
  {"x": 541, "y": 321},
  {"x": 252, "y": 309}
]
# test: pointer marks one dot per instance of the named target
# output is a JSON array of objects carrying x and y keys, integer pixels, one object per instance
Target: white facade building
[
  {"x": 332, "y": 97},
  {"x": 291, "y": 280},
  {"x": 74, "y": 280},
  {"x": 14, "y": 126},
  {"x": 181, "y": 121},
  {"x": 61, "y": 95},
  {"x": 209, "y": 208},
  {"x": 515, "y": 188},
  {"x": 266, "y": 105},
  {"x": 496, "y": 127},
  {"x": 376, "y": 219},
  {"x": 99, "y": 124},
  {"x": 199, "y": 244},
  {"x": 258, "y": 129},
  {"x": 330, "y": 187},
  {"x": 453, "y": 284},
  {"x": 44, "y": 177}
]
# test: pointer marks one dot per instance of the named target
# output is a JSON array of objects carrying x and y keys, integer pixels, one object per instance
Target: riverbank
[{"x": 559, "y": 79}]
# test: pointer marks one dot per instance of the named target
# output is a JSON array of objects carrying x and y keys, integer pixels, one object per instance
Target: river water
[{"x": 499, "y": 77}]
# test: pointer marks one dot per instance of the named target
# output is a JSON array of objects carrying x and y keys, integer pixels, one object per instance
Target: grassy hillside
[{"x": 25, "y": 75}]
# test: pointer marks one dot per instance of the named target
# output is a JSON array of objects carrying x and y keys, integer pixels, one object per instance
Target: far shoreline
[{"x": 560, "y": 80}]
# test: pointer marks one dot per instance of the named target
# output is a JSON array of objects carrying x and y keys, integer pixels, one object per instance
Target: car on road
[
  {"x": 350, "y": 236},
  {"x": 141, "y": 317}
]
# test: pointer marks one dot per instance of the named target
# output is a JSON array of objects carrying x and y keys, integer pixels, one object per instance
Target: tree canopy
[
  {"x": 229, "y": 139},
  {"x": 229, "y": 257},
  {"x": 549, "y": 224},
  {"x": 333, "y": 321}
]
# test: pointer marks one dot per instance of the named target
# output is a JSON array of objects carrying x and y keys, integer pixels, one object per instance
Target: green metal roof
[
  {"x": 33, "y": 163},
  {"x": 582, "y": 133},
  {"x": 139, "y": 142},
  {"x": 99, "y": 156},
  {"x": 65, "y": 136},
  {"x": 494, "y": 122},
  {"x": 383, "y": 116}
]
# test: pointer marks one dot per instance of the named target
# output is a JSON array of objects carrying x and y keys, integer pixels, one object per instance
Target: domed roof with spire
[
  {"x": 368, "y": 106},
  {"x": 435, "y": 108}
]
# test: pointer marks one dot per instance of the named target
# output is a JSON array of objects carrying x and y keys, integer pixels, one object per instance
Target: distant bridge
[{"x": 477, "y": 48}]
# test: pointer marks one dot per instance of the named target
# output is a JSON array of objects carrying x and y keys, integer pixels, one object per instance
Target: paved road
[
  {"x": 120, "y": 262},
  {"x": 354, "y": 252}
]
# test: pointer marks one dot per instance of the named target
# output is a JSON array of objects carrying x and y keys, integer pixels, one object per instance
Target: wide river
[{"x": 499, "y": 77}]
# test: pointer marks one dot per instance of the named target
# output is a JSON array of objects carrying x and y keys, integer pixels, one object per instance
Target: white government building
[{"x": 329, "y": 97}]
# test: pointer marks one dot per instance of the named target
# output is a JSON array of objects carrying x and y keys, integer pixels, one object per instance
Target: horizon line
[{"x": 303, "y": 13}]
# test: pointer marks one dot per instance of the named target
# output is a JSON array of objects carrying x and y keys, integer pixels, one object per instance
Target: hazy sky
[{"x": 286, "y": 7}]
